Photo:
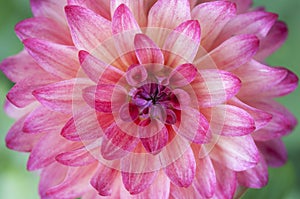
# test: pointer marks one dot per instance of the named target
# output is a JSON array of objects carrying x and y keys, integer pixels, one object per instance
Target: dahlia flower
[{"x": 148, "y": 99}]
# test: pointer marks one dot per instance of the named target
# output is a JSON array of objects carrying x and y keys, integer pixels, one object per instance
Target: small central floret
[{"x": 154, "y": 101}]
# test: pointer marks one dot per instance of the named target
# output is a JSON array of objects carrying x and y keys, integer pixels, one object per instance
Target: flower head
[{"x": 148, "y": 99}]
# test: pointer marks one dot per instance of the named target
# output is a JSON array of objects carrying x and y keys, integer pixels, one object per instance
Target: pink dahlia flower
[{"x": 148, "y": 99}]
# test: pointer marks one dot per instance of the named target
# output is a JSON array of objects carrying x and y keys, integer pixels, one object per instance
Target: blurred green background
[{"x": 17, "y": 183}]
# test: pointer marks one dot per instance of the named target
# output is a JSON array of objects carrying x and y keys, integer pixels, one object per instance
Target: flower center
[{"x": 153, "y": 101}]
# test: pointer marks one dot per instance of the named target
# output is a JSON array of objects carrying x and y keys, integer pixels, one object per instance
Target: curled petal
[{"x": 183, "y": 75}]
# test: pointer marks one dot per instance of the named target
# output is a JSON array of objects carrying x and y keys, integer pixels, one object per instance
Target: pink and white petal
[
  {"x": 226, "y": 182},
  {"x": 49, "y": 8},
  {"x": 236, "y": 153},
  {"x": 274, "y": 39},
  {"x": 147, "y": 51},
  {"x": 260, "y": 116},
  {"x": 39, "y": 159},
  {"x": 62, "y": 96},
  {"x": 165, "y": 16},
  {"x": 21, "y": 93},
  {"x": 282, "y": 122},
  {"x": 59, "y": 60},
  {"x": 273, "y": 151},
  {"x": 103, "y": 179},
  {"x": 101, "y": 7},
  {"x": 256, "y": 177},
  {"x": 156, "y": 142},
  {"x": 97, "y": 70},
  {"x": 117, "y": 143},
  {"x": 82, "y": 126},
  {"x": 183, "y": 193},
  {"x": 43, "y": 120},
  {"x": 183, "y": 75},
  {"x": 242, "y": 5},
  {"x": 193, "y": 126},
  {"x": 258, "y": 23},
  {"x": 139, "y": 8},
  {"x": 78, "y": 157},
  {"x": 182, "y": 43},
  {"x": 212, "y": 17},
  {"x": 51, "y": 175},
  {"x": 135, "y": 75},
  {"x": 16, "y": 113},
  {"x": 183, "y": 170},
  {"x": 87, "y": 28},
  {"x": 75, "y": 183},
  {"x": 205, "y": 180},
  {"x": 20, "y": 66},
  {"x": 231, "y": 54},
  {"x": 43, "y": 28},
  {"x": 124, "y": 29},
  {"x": 136, "y": 183},
  {"x": 214, "y": 87},
  {"x": 228, "y": 120},
  {"x": 17, "y": 140}
]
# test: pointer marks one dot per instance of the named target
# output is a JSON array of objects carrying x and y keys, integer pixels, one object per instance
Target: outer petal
[
  {"x": 236, "y": 153},
  {"x": 273, "y": 151},
  {"x": 182, "y": 171},
  {"x": 59, "y": 60},
  {"x": 256, "y": 177},
  {"x": 228, "y": 120},
  {"x": 231, "y": 54},
  {"x": 182, "y": 44},
  {"x": 43, "y": 28},
  {"x": 214, "y": 87},
  {"x": 242, "y": 5},
  {"x": 212, "y": 17}
]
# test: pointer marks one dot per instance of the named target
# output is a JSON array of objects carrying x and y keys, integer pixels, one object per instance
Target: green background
[{"x": 17, "y": 183}]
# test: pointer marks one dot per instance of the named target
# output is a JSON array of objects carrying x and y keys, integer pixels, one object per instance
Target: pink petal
[
  {"x": 274, "y": 39},
  {"x": 232, "y": 53},
  {"x": 256, "y": 177},
  {"x": 16, "y": 113},
  {"x": 155, "y": 143},
  {"x": 273, "y": 151},
  {"x": 39, "y": 159},
  {"x": 43, "y": 28},
  {"x": 87, "y": 28},
  {"x": 147, "y": 51},
  {"x": 205, "y": 179},
  {"x": 265, "y": 81},
  {"x": 42, "y": 120},
  {"x": 236, "y": 153},
  {"x": 212, "y": 17},
  {"x": 139, "y": 8},
  {"x": 75, "y": 183},
  {"x": 50, "y": 8},
  {"x": 82, "y": 126},
  {"x": 62, "y": 96},
  {"x": 137, "y": 182},
  {"x": 124, "y": 28},
  {"x": 97, "y": 70},
  {"x": 177, "y": 192},
  {"x": 117, "y": 143},
  {"x": 226, "y": 182},
  {"x": 182, "y": 44},
  {"x": 17, "y": 140},
  {"x": 183, "y": 75},
  {"x": 192, "y": 126},
  {"x": 228, "y": 120},
  {"x": 182, "y": 171},
  {"x": 260, "y": 116},
  {"x": 59, "y": 60},
  {"x": 102, "y": 7},
  {"x": 242, "y": 5},
  {"x": 21, "y": 94},
  {"x": 164, "y": 16},
  {"x": 214, "y": 87},
  {"x": 103, "y": 179},
  {"x": 257, "y": 22},
  {"x": 20, "y": 66},
  {"x": 136, "y": 75},
  {"x": 282, "y": 122},
  {"x": 78, "y": 157}
]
